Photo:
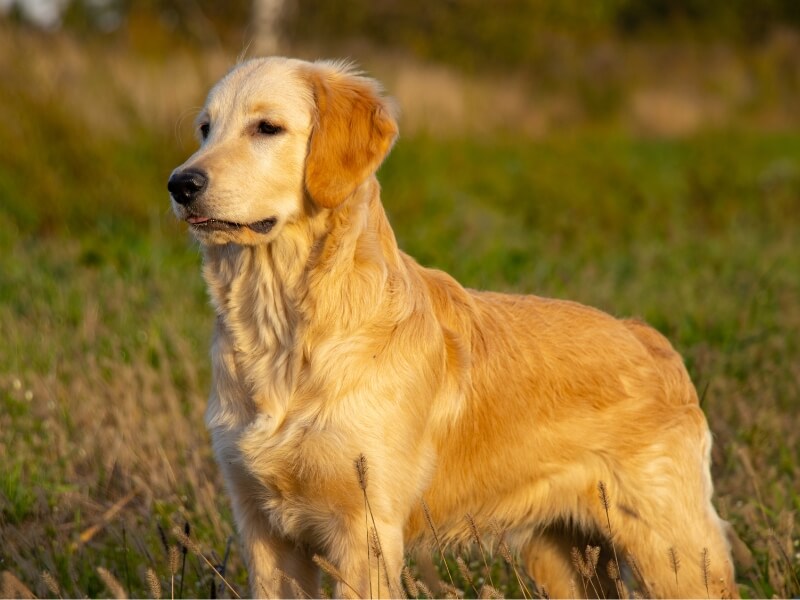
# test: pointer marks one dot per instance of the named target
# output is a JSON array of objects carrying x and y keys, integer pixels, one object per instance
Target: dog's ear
[{"x": 353, "y": 132}]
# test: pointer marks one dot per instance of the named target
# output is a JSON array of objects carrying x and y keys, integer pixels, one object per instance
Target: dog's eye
[
  {"x": 204, "y": 129},
  {"x": 267, "y": 128}
]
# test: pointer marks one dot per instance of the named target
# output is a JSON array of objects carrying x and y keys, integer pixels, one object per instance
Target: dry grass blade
[
  {"x": 613, "y": 573},
  {"x": 153, "y": 584},
  {"x": 13, "y": 588},
  {"x": 375, "y": 543},
  {"x": 191, "y": 545},
  {"x": 637, "y": 573},
  {"x": 174, "y": 559},
  {"x": 331, "y": 570},
  {"x": 790, "y": 570},
  {"x": 362, "y": 475},
  {"x": 706, "y": 567},
  {"x": 463, "y": 568},
  {"x": 606, "y": 502},
  {"x": 429, "y": 519},
  {"x": 473, "y": 528},
  {"x": 184, "y": 550},
  {"x": 112, "y": 583},
  {"x": 297, "y": 590},
  {"x": 505, "y": 552},
  {"x": 450, "y": 592},
  {"x": 362, "y": 472},
  {"x": 106, "y": 518}
]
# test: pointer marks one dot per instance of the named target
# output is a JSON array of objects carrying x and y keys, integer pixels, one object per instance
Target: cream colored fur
[{"x": 331, "y": 343}]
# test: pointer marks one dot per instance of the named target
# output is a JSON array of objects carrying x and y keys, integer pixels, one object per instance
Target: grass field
[{"x": 105, "y": 323}]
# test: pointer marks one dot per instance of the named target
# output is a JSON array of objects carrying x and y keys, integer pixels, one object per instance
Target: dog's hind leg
[
  {"x": 547, "y": 560},
  {"x": 662, "y": 522},
  {"x": 550, "y": 562}
]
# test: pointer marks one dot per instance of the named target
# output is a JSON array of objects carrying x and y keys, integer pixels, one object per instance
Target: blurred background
[{"x": 640, "y": 156}]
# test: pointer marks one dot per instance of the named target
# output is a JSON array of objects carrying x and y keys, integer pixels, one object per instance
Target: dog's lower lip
[{"x": 263, "y": 226}]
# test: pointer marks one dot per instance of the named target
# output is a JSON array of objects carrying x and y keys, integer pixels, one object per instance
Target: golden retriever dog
[{"x": 330, "y": 343}]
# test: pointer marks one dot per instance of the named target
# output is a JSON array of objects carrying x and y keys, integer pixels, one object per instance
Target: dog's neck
[
  {"x": 322, "y": 277},
  {"x": 301, "y": 274}
]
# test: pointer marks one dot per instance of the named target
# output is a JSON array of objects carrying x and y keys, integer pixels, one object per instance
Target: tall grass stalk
[{"x": 436, "y": 538}]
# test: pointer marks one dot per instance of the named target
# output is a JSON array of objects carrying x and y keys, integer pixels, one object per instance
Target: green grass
[{"x": 105, "y": 323}]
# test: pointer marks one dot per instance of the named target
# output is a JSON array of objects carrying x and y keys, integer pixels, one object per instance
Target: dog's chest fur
[{"x": 290, "y": 411}]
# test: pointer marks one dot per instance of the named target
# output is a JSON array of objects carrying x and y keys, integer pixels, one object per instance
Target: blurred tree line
[{"x": 468, "y": 33}]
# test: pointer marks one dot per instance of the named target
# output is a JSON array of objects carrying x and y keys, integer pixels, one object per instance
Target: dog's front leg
[
  {"x": 277, "y": 567},
  {"x": 369, "y": 564}
]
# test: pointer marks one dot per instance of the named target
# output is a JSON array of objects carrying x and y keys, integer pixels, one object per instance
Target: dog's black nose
[{"x": 184, "y": 186}]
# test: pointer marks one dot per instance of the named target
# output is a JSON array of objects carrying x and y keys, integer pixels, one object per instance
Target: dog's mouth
[{"x": 206, "y": 223}]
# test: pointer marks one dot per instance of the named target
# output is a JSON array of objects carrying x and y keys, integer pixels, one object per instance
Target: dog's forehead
[{"x": 259, "y": 85}]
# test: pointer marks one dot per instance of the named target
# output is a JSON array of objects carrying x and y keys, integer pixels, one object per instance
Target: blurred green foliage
[
  {"x": 515, "y": 33},
  {"x": 468, "y": 33}
]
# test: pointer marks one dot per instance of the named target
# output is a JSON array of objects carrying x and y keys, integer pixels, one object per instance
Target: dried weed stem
[
  {"x": 473, "y": 528},
  {"x": 331, "y": 570},
  {"x": 429, "y": 519},
  {"x": 191, "y": 545}
]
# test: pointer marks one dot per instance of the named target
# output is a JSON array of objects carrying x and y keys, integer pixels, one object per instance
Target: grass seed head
[
  {"x": 450, "y": 592},
  {"x": 424, "y": 589},
  {"x": 375, "y": 543},
  {"x": 675, "y": 562},
  {"x": 592, "y": 556},
  {"x": 174, "y": 557},
  {"x": 473, "y": 529},
  {"x": 185, "y": 541},
  {"x": 410, "y": 583},
  {"x": 464, "y": 570},
  {"x": 603, "y": 492},
  {"x": 51, "y": 583},
  {"x": 112, "y": 583},
  {"x": 362, "y": 471},
  {"x": 580, "y": 563},
  {"x": 153, "y": 584},
  {"x": 489, "y": 591},
  {"x": 331, "y": 570}
]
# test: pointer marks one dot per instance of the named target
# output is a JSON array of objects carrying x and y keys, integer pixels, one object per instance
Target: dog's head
[{"x": 279, "y": 137}]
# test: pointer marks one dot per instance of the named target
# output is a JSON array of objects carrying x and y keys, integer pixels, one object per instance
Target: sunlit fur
[{"x": 331, "y": 343}]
